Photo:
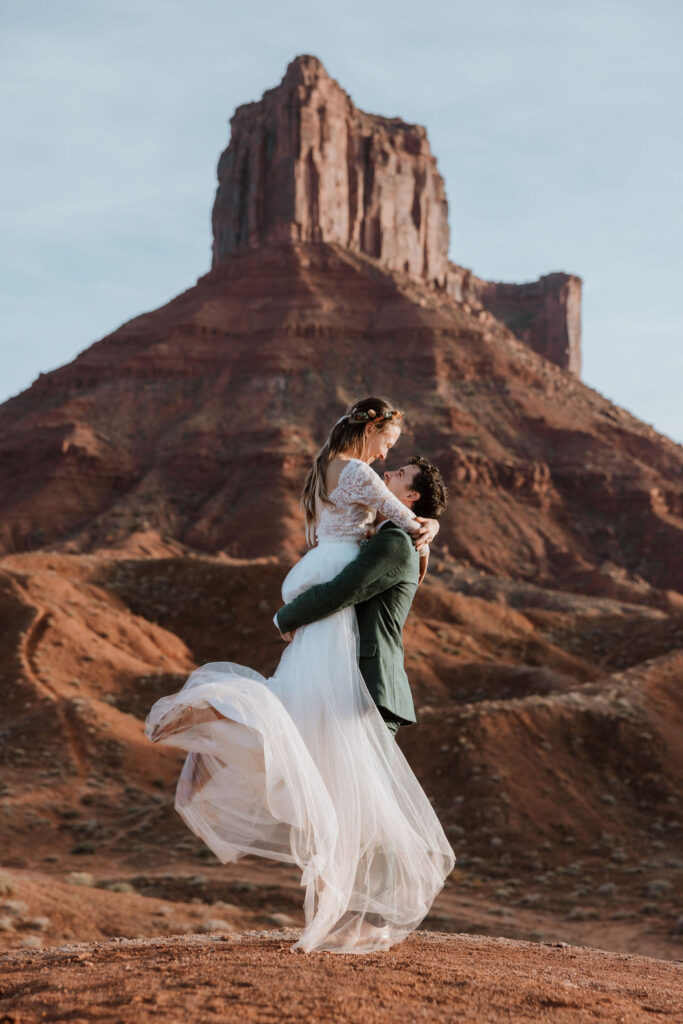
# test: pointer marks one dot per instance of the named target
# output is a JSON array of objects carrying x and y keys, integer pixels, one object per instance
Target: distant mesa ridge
[{"x": 304, "y": 164}]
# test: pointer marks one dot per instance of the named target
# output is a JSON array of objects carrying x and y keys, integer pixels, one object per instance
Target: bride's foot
[
  {"x": 380, "y": 935},
  {"x": 199, "y": 775}
]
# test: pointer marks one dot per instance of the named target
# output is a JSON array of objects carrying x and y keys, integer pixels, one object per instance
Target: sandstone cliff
[
  {"x": 546, "y": 314},
  {"x": 306, "y": 165}
]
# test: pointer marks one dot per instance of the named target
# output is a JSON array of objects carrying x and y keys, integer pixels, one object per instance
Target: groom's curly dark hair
[{"x": 429, "y": 484}]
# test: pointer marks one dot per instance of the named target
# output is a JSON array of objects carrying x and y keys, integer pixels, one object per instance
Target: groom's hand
[
  {"x": 427, "y": 532},
  {"x": 285, "y": 636}
]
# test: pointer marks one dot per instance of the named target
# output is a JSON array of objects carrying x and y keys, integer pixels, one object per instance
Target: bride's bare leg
[{"x": 188, "y": 717}]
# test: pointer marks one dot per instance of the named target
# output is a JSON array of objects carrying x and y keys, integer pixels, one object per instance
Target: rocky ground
[{"x": 253, "y": 976}]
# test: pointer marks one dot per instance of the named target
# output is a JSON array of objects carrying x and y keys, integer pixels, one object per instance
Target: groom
[{"x": 381, "y": 583}]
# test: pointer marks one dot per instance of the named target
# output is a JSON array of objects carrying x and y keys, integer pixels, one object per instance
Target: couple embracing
[{"x": 303, "y": 767}]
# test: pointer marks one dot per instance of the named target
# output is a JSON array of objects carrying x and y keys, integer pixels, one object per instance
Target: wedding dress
[{"x": 302, "y": 768}]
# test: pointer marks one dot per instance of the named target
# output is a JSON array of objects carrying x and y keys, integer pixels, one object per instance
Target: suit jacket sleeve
[{"x": 378, "y": 566}]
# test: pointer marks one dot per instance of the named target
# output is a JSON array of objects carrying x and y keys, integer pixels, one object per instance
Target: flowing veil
[{"x": 301, "y": 768}]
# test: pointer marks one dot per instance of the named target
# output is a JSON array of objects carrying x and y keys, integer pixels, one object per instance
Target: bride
[{"x": 301, "y": 767}]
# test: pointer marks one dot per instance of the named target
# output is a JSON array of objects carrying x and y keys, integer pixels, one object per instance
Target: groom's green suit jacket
[{"x": 381, "y": 582}]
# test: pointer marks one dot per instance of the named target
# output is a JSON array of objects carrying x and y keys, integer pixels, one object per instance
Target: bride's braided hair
[{"x": 348, "y": 434}]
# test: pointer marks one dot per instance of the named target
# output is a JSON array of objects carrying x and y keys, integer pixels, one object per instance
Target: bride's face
[{"x": 379, "y": 442}]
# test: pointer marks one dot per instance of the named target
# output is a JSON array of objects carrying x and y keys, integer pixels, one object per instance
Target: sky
[{"x": 557, "y": 129}]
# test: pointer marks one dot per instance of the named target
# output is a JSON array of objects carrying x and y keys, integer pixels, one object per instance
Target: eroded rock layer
[{"x": 198, "y": 421}]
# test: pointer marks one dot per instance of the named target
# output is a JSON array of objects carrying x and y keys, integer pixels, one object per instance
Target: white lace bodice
[{"x": 360, "y": 493}]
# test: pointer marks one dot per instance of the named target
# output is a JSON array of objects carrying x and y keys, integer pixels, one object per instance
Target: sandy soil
[{"x": 253, "y": 976}]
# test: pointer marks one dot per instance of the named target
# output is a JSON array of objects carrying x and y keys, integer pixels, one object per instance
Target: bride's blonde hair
[{"x": 348, "y": 434}]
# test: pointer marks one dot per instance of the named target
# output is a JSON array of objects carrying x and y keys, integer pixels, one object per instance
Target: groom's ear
[{"x": 413, "y": 496}]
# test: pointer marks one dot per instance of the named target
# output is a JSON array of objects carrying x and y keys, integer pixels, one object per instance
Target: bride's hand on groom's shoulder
[{"x": 427, "y": 532}]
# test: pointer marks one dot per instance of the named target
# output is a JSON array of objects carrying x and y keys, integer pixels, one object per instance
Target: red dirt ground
[{"x": 253, "y": 976}]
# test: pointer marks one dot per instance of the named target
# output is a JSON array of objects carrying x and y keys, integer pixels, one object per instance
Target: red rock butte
[{"x": 306, "y": 165}]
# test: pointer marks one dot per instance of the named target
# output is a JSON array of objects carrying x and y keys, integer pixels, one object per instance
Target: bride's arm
[{"x": 359, "y": 484}]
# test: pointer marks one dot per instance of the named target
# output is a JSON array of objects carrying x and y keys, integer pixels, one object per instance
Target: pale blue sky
[{"x": 556, "y": 127}]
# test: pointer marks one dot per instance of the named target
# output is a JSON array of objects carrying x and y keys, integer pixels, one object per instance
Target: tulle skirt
[{"x": 302, "y": 768}]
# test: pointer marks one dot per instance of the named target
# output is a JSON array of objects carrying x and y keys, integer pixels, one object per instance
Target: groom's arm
[{"x": 378, "y": 566}]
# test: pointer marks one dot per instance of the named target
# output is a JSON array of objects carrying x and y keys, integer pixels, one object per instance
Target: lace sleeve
[{"x": 360, "y": 485}]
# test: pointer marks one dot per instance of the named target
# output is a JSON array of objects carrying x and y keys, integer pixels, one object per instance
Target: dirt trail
[
  {"x": 27, "y": 651},
  {"x": 254, "y": 977}
]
